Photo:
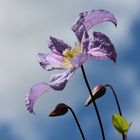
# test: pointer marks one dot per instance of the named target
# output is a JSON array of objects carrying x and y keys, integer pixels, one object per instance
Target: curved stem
[
  {"x": 77, "y": 122},
  {"x": 116, "y": 98},
  {"x": 124, "y": 137},
  {"x": 94, "y": 103}
]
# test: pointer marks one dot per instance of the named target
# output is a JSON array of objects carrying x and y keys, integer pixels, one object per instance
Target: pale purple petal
[
  {"x": 97, "y": 16},
  {"x": 58, "y": 81},
  {"x": 79, "y": 60},
  {"x": 78, "y": 28},
  {"x": 34, "y": 93},
  {"x": 57, "y": 46},
  {"x": 50, "y": 61},
  {"x": 100, "y": 47},
  {"x": 85, "y": 41},
  {"x": 89, "y": 19}
]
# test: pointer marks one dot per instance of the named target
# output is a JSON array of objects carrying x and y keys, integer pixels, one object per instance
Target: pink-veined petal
[
  {"x": 79, "y": 60},
  {"x": 50, "y": 61},
  {"x": 57, "y": 46},
  {"x": 87, "y": 20},
  {"x": 35, "y": 91},
  {"x": 58, "y": 81},
  {"x": 98, "y": 16},
  {"x": 78, "y": 28},
  {"x": 100, "y": 47}
]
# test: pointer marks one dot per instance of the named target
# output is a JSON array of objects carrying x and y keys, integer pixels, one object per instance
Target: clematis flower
[{"x": 65, "y": 57}]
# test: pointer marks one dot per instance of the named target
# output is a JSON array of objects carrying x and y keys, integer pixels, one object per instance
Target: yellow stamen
[{"x": 70, "y": 53}]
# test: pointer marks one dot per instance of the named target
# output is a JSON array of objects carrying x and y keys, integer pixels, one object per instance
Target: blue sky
[{"x": 25, "y": 27}]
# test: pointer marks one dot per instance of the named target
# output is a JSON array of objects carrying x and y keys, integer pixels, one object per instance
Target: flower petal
[
  {"x": 85, "y": 41},
  {"x": 50, "y": 61},
  {"x": 78, "y": 28},
  {"x": 34, "y": 93},
  {"x": 100, "y": 47},
  {"x": 79, "y": 60},
  {"x": 57, "y": 46},
  {"x": 89, "y": 19},
  {"x": 97, "y": 16},
  {"x": 58, "y": 81}
]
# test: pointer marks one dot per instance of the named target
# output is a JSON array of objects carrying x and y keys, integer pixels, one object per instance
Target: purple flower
[{"x": 63, "y": 57}]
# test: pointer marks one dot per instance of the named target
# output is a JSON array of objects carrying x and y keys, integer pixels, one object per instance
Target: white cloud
[{"x": 25, "y": 27}]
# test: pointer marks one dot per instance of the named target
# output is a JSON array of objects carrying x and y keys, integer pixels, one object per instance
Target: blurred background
[{"x": 25, "y": 26}]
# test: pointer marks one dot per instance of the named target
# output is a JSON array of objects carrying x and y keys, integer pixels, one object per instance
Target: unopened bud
[
  {"x": 120, "y": 124},
  {"x": 59, "y": 110},
  {"x": 97, "y": 92}
]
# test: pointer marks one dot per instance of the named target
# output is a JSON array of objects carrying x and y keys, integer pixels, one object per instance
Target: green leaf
[{"x": 120, "y": 123}]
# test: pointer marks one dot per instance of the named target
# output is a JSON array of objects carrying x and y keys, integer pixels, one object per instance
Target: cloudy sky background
[{"x": 25, "y": 27}]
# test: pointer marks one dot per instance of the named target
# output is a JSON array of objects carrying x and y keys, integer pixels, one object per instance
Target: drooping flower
[
  {"x": 64, "y": 57},
  {"x": 97, "y": 92},
  {"x": 60, "y": 109}
]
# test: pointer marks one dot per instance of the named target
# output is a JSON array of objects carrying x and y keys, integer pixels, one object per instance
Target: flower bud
[
  {"x": 120, "y": 124},
  {"x": 59, "y": 110},
  {"x": 97, "y": 92}
]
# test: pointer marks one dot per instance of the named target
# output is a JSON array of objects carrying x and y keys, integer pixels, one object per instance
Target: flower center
[{"x": 70, "y": 53}]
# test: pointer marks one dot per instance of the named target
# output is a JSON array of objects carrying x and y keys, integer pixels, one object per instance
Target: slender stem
[
  {"x": 94, "y": 103},
  {"x": 124, "y": 137},
  {"x": 77, "y": 122},
  {"x": 116, "y": 98}
]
